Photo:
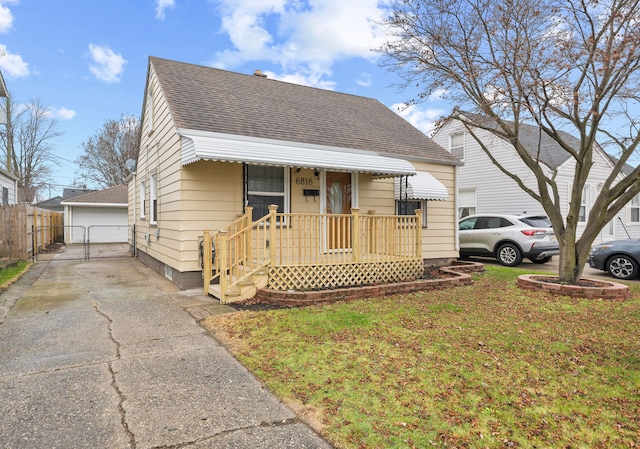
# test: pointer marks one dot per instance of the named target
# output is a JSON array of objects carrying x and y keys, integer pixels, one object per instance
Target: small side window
[{"x": 456, "y": 145}]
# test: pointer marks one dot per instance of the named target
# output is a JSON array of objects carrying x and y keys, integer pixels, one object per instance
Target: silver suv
[{"x": 508, "y": 238}]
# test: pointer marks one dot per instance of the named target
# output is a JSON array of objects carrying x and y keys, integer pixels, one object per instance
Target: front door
[{"x": 338, "y": 202}]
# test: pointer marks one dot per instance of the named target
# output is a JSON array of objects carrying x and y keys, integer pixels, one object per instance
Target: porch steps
[{"x": 245, "y": 288}]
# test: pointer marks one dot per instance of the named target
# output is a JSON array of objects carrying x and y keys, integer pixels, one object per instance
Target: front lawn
[{"x": 484, "y": 366}]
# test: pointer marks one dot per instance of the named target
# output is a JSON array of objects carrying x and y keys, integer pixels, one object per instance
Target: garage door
[{"x": 105, "y": 224}]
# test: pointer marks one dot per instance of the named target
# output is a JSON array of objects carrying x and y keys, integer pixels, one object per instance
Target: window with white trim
[
  {"x": 153, "y": 199},
  {"x": 466, "y": 203},
  {"x": 634, "y": 209},
  {"x": 265, "y": 186},
  {"x": 456, "y": 145},
  {"x": 584, "y": 205},
  {"x": 143, "y": 198}
]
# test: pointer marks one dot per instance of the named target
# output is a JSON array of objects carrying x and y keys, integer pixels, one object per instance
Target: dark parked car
[
  {"x": 508, "y": 238},
  {"x": 621, "y": 258}
]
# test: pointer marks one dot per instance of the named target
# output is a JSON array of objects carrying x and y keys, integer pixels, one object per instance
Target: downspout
[{"x": 455, "y": 223}]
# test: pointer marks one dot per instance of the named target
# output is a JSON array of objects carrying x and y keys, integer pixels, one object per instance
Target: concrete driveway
[{"x": 105, "y": 354}]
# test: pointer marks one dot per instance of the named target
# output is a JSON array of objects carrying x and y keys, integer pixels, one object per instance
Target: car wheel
[
  {"x": 509, "y": 255},
  {"x": 541, "y": 261},
  {"x": 622, "y": 267}
]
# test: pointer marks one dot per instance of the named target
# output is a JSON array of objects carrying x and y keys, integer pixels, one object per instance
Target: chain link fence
[{"x": 83, "y": 243}]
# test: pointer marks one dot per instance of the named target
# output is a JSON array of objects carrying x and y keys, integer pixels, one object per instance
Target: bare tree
[
  {"x": 105, "y": 154},
  {"x": 569, "y": 66},
  {"x": 29, "y": 136}
]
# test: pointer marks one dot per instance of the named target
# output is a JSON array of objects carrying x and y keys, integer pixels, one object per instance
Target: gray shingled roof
[
  {"x": 112, "y": 195},
  {"x": 535, "y": 141},
  {"x": 208, "y": 99}
]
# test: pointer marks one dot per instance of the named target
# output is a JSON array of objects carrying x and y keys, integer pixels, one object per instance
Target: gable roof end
[{"x": 534, "y": 140}]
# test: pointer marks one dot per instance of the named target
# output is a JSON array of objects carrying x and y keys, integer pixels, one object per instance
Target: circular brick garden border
[{"x": 605, "y": 290}]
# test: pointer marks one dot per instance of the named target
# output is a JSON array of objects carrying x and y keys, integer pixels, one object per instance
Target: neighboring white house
[
  {"x": 483, "y": 187},
  {"x": 101, "y": 216},
  {"x": 9, "y": 186}
]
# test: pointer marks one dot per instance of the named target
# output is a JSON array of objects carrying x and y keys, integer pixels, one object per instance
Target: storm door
[{"x": 338, "y": 203}]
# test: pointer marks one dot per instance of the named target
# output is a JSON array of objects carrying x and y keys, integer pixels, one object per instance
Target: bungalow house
[
  {"x": 484, "y": 188},
  {"x": 248, "y": 182}
]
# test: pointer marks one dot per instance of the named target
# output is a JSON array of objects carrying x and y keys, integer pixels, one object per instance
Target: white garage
[{"x": 97, "y": 217}]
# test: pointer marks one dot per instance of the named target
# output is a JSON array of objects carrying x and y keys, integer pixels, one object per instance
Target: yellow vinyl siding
[
  {"x": 305, "y": 179},
  {"x": 376, "y": 194},
  {"x": 438, "y": 238}
]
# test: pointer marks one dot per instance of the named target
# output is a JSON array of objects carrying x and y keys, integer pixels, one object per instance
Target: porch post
[
  {"x": 272, "y": 233},
  {"x": 223, "y": 265},
  {"x": 355, "y": 238},
  {"x": 419, "y": 233},
  {"x": 248, "y": 238},
  {"x": 206, "y": 261},
  {"x": 372, "y": 232},
  {"x": 248, "y": 213}
]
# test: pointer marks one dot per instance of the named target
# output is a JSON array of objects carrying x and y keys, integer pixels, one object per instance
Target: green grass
[
  {"x": 8, "y": 275},
  {"x": 482, "y": 366}
]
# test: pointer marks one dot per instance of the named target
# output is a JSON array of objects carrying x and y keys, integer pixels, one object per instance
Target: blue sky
[{"x": 87, "y": 59}]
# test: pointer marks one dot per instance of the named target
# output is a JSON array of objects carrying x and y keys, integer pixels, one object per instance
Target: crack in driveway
[{"x": 114, "y": 383}]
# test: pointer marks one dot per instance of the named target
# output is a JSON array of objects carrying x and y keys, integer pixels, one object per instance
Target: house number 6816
[{"x": 304, "y": 181}]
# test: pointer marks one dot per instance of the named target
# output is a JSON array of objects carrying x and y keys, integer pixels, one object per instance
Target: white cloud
[
  {"x": 162, "y": 6},
  {"x": 6, "y": 18},
  {"x": 11, "y": 64},
  {"x": 424, "y": 120},
  {"x": 365, "y": 80},
  {"x": 311, "y": 76},
  {"x": 300, "y": 36},
  {"x": 107, "y": 66},
  {"x": 62, "y": 113}
]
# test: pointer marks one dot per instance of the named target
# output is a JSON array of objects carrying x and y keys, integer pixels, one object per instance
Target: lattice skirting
[{"x": 315, "y": 277}]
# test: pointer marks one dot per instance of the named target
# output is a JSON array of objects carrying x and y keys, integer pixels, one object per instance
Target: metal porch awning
[
  {"x": 422, "y": 186},
  {"x": 199, "y": 145}
]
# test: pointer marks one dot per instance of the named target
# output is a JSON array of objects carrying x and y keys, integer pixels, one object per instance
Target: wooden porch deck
[{"x": 310, "y": 252}]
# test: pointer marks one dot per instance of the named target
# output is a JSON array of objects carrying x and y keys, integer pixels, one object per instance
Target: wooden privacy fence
[
  {"x": 17, "y": 224},
  {"x": 311, "y": 251}
]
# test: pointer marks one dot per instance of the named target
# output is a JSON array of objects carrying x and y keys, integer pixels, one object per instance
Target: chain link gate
[{"x": 83, "y": 243}]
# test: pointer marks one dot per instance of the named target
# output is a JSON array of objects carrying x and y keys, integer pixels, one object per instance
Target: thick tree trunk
[{"x": 573, "y": 256}]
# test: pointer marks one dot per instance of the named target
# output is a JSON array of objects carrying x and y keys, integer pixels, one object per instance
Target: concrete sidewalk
[{"x": 104, "y": 354}]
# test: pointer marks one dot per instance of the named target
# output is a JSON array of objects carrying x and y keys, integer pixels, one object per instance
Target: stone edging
[
  {"x": 459, "y": 270},
  {"x": 611, "y": 291}
]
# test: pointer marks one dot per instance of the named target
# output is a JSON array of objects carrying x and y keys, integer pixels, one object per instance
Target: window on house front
[
  {"x": 456, "y": 145},
  {"x": 5, "y": 196},
  {"x": 143, "y": 198},
  {"x": 153, "y": 199},
  {"x": 584, "y": 203},
  {"x": 466, "y": 203},
  {"x": 410, "y": 207},
  {"x": 265, "y": 186},
  {"x": 634, "y": 209}
]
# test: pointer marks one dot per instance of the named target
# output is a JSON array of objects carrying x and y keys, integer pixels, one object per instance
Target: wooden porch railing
[{"x": 290, "y": 240}]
